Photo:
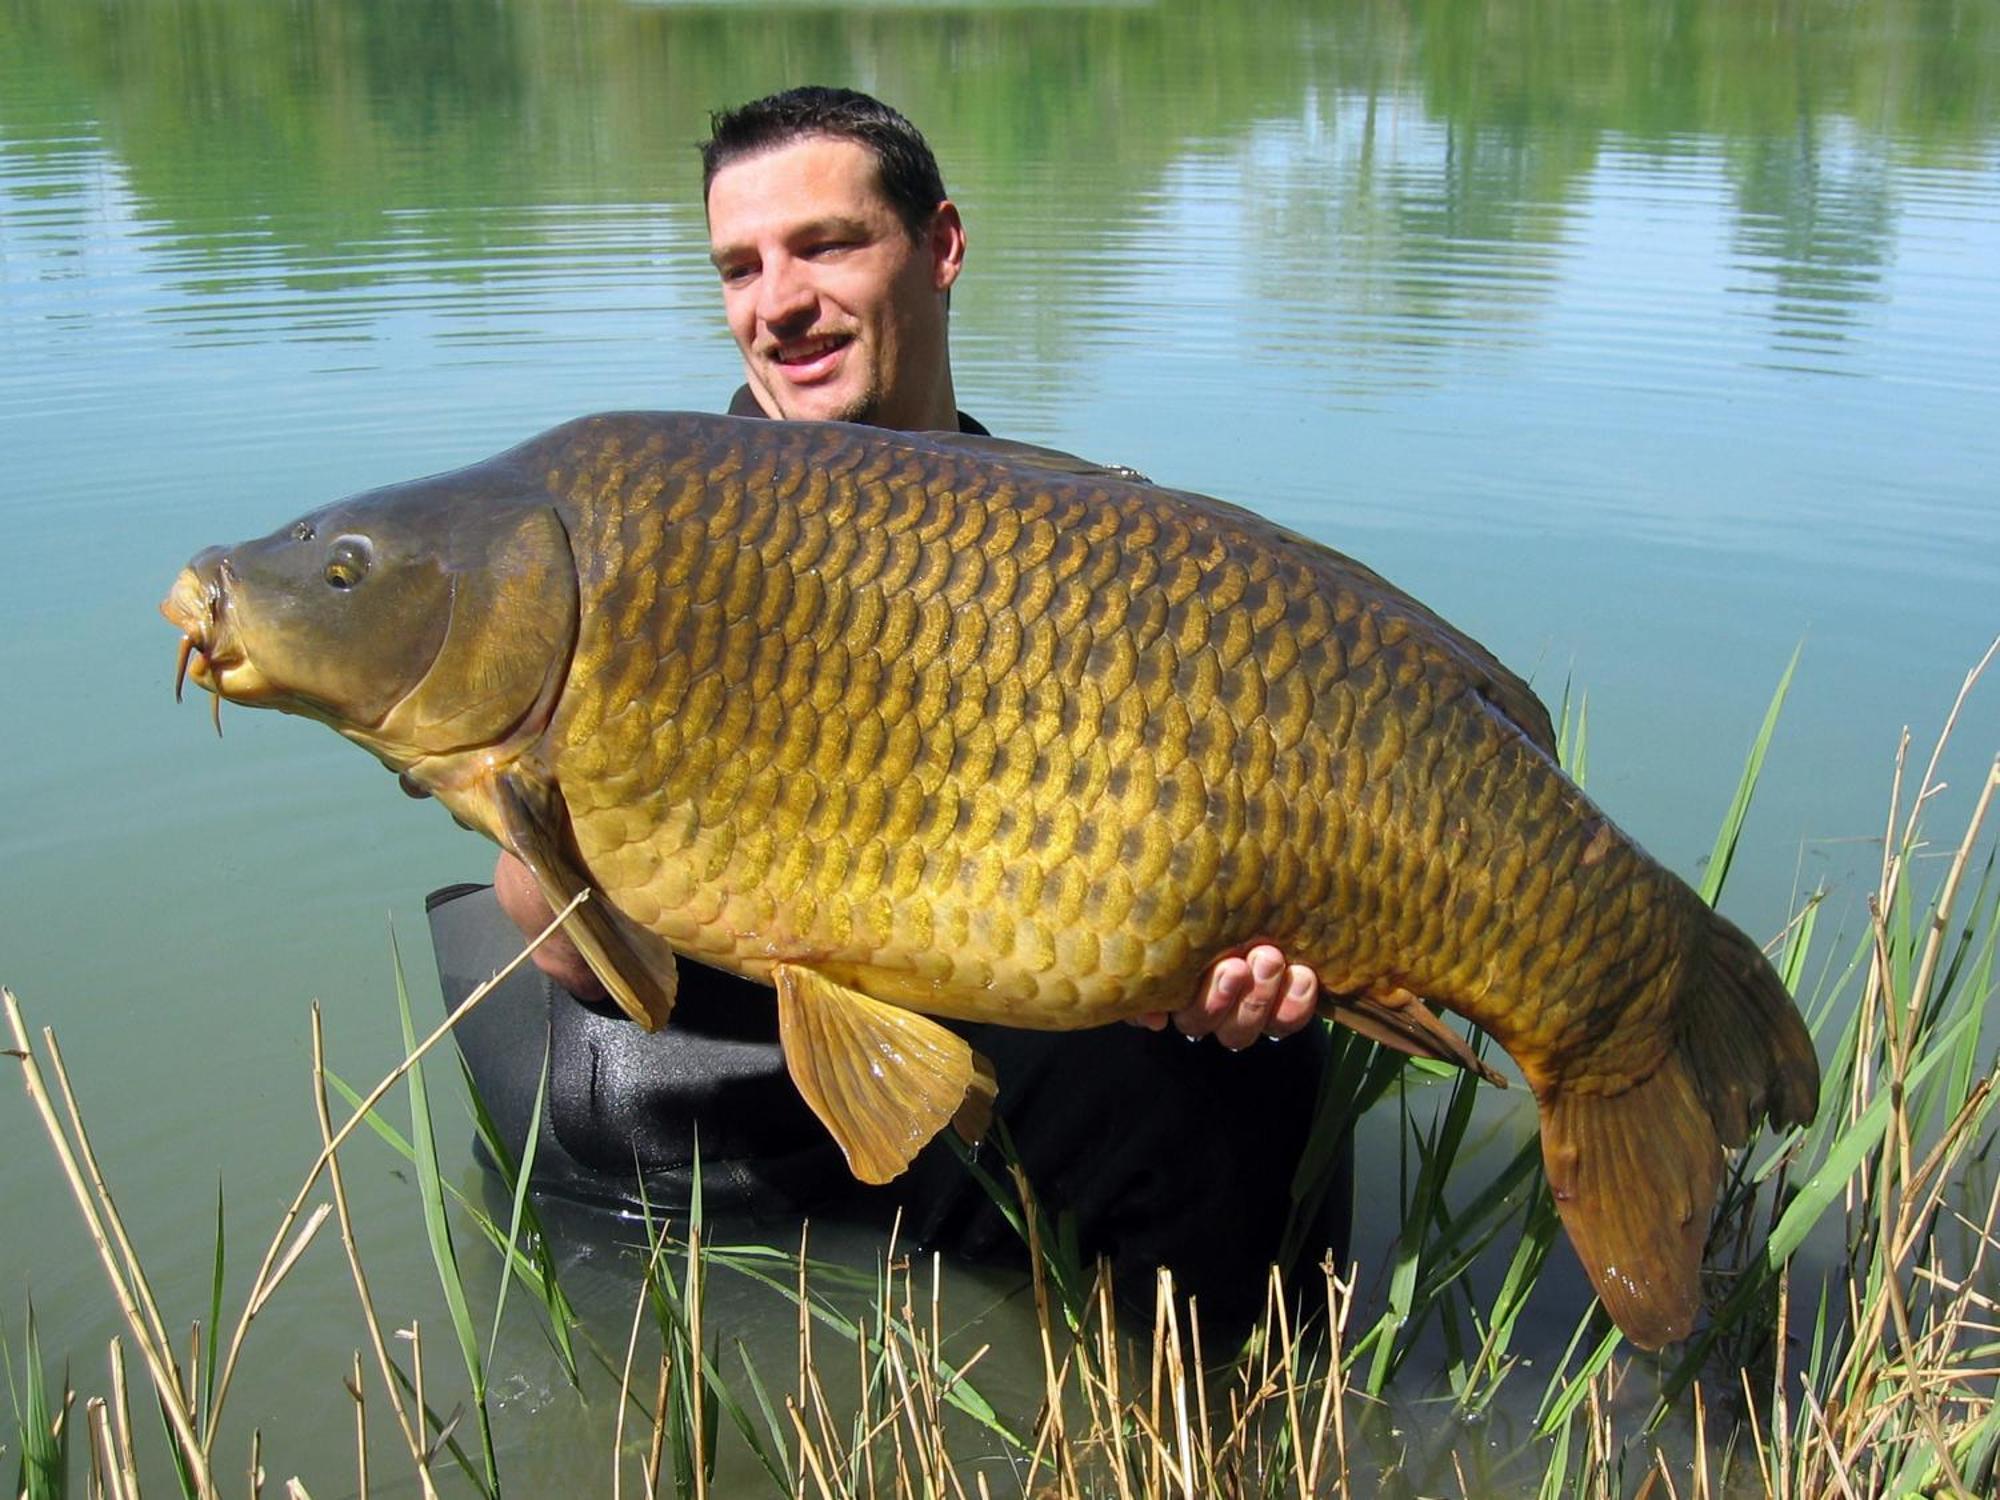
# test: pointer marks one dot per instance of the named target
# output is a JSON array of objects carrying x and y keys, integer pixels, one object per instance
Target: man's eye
[{"x": 735, "y": 275}]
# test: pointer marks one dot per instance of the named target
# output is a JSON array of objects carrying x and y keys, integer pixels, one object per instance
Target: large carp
[{"x": 927, "y": 725}]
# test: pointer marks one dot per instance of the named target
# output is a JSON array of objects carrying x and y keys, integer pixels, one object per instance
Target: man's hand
[
  {"x": 521, "y": 898},
  {"x": 1258, "y": 994}
]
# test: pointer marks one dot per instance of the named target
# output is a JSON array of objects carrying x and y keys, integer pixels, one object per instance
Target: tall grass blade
[
  {"x": 1424, "y": 1223},
  {"x": 1724, "y": 853},
  {"x": 1978, "y": 984},
  {"x": 1573, "y": 733},
  {"x": 678, "y": 1313},
  {"x": 1524, "y": 1268},
  {"x": 437, "y": 1228},
  {"x": 1827, "y": 1181},
  {"x": 520, "y": 1203},
  {"x": 1562, "y": 1396},
  {"x": 41, "y": 1426},
  {"x": 535, "y": 1265},
  {"x": 1354, "y": 1078},
  {"x": 209, "y": 1367}
]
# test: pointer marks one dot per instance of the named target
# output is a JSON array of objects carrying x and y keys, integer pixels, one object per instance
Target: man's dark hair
[{"x": 909, "y": 173}]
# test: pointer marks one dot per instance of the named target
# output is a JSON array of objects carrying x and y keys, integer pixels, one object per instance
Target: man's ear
[{"x": 945, "y": 239}]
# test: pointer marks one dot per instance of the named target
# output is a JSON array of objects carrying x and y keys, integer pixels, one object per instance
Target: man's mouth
[{"x": 810, "y": 358}]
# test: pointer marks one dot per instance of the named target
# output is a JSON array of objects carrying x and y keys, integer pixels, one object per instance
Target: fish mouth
[{"x": 198, "y": 606}]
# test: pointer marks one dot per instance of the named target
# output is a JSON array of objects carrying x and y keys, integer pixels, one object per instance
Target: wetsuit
[{"x": 1162, "y": 1150}]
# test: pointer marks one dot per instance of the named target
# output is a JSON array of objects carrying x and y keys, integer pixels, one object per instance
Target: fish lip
[{"x": 198, "y": 606}]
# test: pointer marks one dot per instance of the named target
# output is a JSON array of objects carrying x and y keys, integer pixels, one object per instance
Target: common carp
[{"x": 929, "y": 725}]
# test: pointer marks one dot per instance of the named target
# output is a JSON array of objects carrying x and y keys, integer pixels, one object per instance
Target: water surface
[{"x": 1644, "y": 341}]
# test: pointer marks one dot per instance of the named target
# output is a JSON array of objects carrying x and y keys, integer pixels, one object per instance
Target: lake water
[{"x": 1644, "y": 341}]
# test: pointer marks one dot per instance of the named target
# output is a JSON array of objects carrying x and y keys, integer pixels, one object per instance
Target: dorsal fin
[{"x": 1052, "y": 459}]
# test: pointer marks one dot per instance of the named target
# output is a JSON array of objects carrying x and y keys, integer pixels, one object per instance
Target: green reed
[{"x": 41, "y": 1426}]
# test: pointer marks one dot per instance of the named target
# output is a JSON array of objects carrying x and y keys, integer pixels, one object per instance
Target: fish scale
[
  {"x": 1143, "y": 631},
  {"x": 914, "y": 725}
]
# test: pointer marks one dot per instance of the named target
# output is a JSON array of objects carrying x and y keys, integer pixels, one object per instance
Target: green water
[{"x": 1644, "y": 341}]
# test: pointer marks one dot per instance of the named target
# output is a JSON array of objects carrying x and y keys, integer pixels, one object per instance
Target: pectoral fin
[
  {"x": 643, "y": 983},
  {"x": 882, "y": 1080},
  {"x": 1398, "y": 1019}
]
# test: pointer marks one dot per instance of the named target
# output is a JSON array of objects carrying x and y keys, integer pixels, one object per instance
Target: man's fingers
[
  {"x": 520, "y": 897},
  {"x": 1267, "y": 969},
  {"x": 1252, "y": 995},
  {"x": 1258, "y": 1005},
  {"x": 1263, "y": 968},
  {"x": 1297, "y": 1005},
  {"x": 1228, "y": 981}
]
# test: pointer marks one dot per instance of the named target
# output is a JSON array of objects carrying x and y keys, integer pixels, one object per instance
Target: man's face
[{"x": 839, "y": 313}]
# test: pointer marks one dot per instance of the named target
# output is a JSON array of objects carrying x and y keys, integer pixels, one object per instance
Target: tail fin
[{"x": 1635, "y": 1170}]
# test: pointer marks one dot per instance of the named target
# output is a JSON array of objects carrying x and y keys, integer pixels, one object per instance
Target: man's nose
[{"x": 784, "y": 293}]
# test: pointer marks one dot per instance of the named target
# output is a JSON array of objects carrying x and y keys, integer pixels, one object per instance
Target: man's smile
[{"x": 812, "y": 357}]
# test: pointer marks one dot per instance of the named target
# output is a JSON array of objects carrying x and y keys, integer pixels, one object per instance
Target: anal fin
[
  {"x": 1399, "y": 1020},
  {"x": 882, "y": 1080}
]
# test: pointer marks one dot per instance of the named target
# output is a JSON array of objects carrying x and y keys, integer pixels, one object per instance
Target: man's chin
[
  {"x": 809, "y": 405},
  {"x": 850, "y": 411}
]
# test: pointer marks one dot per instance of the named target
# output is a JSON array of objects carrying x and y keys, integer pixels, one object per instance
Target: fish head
[{"x": 425, "y": 622}]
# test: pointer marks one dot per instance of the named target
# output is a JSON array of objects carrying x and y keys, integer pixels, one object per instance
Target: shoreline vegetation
[{"x": 1878, "y": 1378}]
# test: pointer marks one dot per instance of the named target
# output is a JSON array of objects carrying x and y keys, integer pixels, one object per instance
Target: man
[{"x": 837, "y": 250}]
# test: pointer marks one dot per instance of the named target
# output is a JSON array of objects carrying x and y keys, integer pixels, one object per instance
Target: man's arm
[{"x": 1242, "y": 998}]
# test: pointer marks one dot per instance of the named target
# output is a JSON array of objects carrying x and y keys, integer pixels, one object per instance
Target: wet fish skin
[
  {"x": 1031, "y": 747},
  {"x": 952, "y": 726}
]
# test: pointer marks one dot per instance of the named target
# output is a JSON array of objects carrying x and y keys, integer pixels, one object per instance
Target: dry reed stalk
[
  {"x": 1167, "y": 1329},
  {"x": 625, "y": 1369},
  {"x": 136, "y": 1279},
  {"x": 1861, "y": 1087},
  {"x": 121, "y": 1407},
  {"x": 1103, "y": 1384},
  {"x": 808, "y": 1458},
  {"x": 356, "y": 1390},
  {"x": 103, "y": 1479},
  {"x": 1204, "y": 1428},
  {"x": 329, "y": 1158},
  {"x": 1288, "y": 1354},
  {"x": 158, "y": 1357},
  {"x": 657, "y": 1443},
  {"x": 265, "y": 1282}
]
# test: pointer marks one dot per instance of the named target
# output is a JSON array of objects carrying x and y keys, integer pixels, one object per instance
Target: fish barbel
[{"x": 928, "y": 725}]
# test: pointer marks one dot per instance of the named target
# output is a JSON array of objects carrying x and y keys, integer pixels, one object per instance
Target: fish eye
[
  {"x": 302, "y": 531},
  {"x": 347, "y": 561}
]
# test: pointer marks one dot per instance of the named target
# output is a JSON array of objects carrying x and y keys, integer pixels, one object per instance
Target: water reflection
[
  {"x": 1816, "y": 227},
  {"x": 1529, "y": 304},
  {"x": 1437, "y": 154}
]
